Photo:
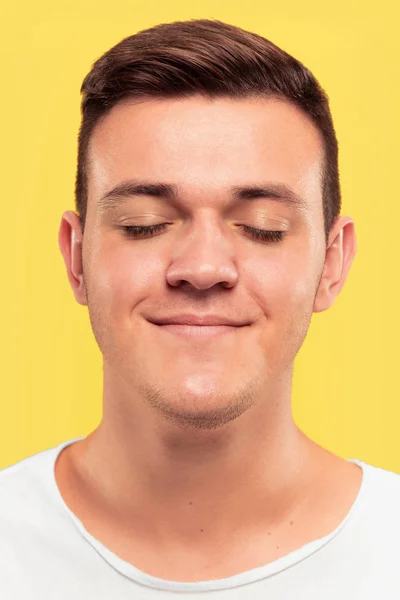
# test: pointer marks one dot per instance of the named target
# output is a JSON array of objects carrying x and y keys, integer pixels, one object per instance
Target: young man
[{"x": 207, "y": 232}]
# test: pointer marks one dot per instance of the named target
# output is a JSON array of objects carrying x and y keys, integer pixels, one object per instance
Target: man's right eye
[{"x": 138, "y": 230}]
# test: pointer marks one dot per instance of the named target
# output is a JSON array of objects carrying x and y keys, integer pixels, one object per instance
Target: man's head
[
  {"x": 210, "y": 58},
  {"x": 209, "y": 133}
]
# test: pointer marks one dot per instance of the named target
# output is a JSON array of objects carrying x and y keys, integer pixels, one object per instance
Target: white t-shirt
[{"x": 46, "y": 553}]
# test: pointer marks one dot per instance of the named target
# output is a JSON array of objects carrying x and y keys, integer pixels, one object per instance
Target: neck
[{"x": 177, "y": 481}]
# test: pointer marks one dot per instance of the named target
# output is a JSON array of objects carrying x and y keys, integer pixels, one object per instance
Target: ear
[
  {"x": 70, "y": 242},
  {"x": 340, "y": 252}
]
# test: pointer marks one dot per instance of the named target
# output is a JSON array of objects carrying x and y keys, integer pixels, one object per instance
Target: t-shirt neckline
[{"x": 243, "y": 578}]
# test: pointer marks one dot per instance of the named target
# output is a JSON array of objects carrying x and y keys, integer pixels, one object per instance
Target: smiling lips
[{"x": 204, "y": 326}]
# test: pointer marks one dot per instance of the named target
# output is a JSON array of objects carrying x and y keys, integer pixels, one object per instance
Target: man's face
[{"x": 204, "y": 261}]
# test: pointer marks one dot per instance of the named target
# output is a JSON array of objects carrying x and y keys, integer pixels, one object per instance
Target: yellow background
[{"x": 346, "y": 385}]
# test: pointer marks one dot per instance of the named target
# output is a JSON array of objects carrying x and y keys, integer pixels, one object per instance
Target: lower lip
[{"x": 199, "y": 331}]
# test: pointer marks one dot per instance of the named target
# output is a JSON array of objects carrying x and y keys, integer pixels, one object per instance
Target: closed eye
[
  {"x": 150, "y": 230},
  {"x": 138, "y": 230},
  {"x": 263, "y": 234}
]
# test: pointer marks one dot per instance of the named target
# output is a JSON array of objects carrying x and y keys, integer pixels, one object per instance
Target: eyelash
[{"x": 260, "y": 234}]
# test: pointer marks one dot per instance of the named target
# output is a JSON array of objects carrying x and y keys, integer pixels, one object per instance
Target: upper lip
[{"x": 197, "y": 320}]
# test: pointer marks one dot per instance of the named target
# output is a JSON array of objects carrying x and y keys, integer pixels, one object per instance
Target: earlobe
[
  {"x": 70, "y": 243},
  {"x": 339, "y": 256}
]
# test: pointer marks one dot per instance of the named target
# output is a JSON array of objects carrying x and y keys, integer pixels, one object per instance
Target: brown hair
[{"x": 208, "y": 57}]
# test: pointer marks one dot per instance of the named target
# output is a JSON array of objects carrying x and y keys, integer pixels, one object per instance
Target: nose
[{"x": 203, "y": 258}]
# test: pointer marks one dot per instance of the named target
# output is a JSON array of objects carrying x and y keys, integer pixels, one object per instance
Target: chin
[{"x": 198, "y": 412}]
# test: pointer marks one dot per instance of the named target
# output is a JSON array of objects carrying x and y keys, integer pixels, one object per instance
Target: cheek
[
  {"x": 121, "y": 278},
  {"x": 282, "y": 280},
  {"x": 284, "y": 292}
]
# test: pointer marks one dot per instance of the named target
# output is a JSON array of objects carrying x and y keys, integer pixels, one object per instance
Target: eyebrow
[{"x": 170, "y": 192}]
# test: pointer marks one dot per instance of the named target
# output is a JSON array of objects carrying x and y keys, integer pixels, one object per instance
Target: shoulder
[
  {"x": 379, "y": 498},
  {"x": 23, "y": 474},
  {"x": 33, "y": 520},
  {"x": 28, "y": 489},
  {"x": 380, "y": 481}
]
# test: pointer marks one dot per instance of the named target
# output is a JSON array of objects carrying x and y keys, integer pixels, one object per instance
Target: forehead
[{"x": 206, "y": 146}]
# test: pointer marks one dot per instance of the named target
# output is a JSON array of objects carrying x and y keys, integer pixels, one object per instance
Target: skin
[{"x": 197, "y": 469}]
